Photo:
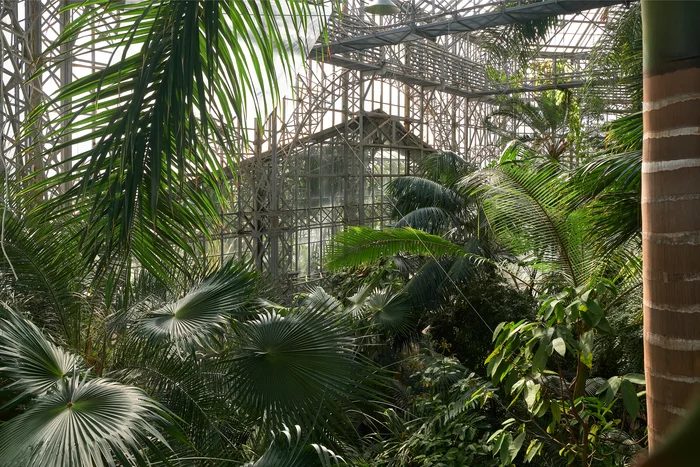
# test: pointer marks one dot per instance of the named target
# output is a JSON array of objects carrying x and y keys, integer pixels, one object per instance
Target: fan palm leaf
[
  {"x": 204, "y": 311},
  {"x": 193, "y": 388},
  {"x": 72, "y": 419},
  {"x": 83, "y": 422},
  {"x": 298, "y": 367},
  {"x": 290, "y": 449},
  {"x": 318, "y": 298},
  {"x": 29, "y": 360},
  {"x": 386, "y": 310}
]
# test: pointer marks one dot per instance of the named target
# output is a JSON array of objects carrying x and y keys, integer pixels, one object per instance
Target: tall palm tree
[{"x": 671, "y": 209}]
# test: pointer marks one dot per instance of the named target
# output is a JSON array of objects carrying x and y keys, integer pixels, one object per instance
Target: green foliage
[
  {"x": 619, "y": 53},
  {"x": 526, "y": 208},
  {"x": 455, "y": 322},
  {"x": 70, "y": 418},
  {"x": 519, "y": 41},
  {"x": 297, "y": 366},
  {"x": 160, "y": 115},
  {"x": 445, "y": 423},
  {"x": 204, "y": 311},
  {"x": 45, "y": 273},
  {"x": 547, "y": 363},
  {"x": 363, "y": 245},
  {"x": 290, "y": 449},
  {"x": 548, "y": 118}
]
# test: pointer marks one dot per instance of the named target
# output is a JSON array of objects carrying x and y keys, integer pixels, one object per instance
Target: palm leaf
[
  {"x": 48, "y": 270},
  {"x": 298, "y": 367},
  {"x": 71, "y": 420},
  {"x": 204, "y": 311},
  {"x": 527, "y": 210},
  {"x": 390, "y": 312},
  {"x": 83, "y": 422},
  {"x": 431, "y": 220},
  {"x": 193, "y": 388},
  {"x": 413, "y": 193},
  {"x": 319, "y": 299},
  {"x": 445, "y": 167},
  {"x": 609, "y": 186},
  {"x": 290, "y": 449},
  {"x": 364, "y": 245},
  {"x": 33, "y": 363},
  {"x": 158, "y": 116}
]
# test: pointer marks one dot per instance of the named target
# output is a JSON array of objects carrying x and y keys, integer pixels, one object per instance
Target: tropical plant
[
  {"x": 617, "y": 58},
  {"x": 63, "y": 415},
  {"x": 456, "y": 239},
  {"x": 526, "y": 208},
  {"x": 225, "y": 366},
  {"x": 519, "y": 41},
  {"x": 445, "y": 422},
  {"x": 547, "y": 364}
]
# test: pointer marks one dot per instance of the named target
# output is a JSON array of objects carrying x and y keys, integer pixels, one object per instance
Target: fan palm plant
[
  {"x": 71, "y": 419},
  {"x": 226, "y": 370}
]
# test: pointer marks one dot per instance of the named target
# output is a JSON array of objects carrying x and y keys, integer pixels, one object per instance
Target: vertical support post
[
  {"x": 361, "y": 151},
  {"x": 273, "y": 214},
  {"x": 34, "y": 10},
  {"x": 258, "y": 174},
  {"x": 66, "y": 78}
]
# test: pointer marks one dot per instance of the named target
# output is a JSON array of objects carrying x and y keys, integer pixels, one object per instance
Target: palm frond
[
  {"x": 430, "y": 219},
  {"x": 618, "y": 54},
  {"x": 526, "y": 208},
  {"x": 300, "y": 367},
  {"x": 547, "y": 118},
  {"x": 203, "y": 311},
  {"x": 72, "y": 419},
  {"x": 49, "y": 269},
  {"x": 445, "y": 167},
  {"x": 159, "y": 116},
  {"x": 519, "y": 40},
  {"x": 28, "y": 359},
  {"x": 83, "y": 422},
  {"x": 191, "y": 387},
  {"x": 290, "y": 448},
  {"x": 364, "y": 245},
  {"x": 319, "y": 299},
  {"x": 390, "y": 312},
  {"x": 609, "y": 187},
  {"x": 440, "y": 278},
  {"x": 412, "y": 193}
]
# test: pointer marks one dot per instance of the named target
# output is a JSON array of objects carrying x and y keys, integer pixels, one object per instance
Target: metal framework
[{"x": 381, "y": 94}]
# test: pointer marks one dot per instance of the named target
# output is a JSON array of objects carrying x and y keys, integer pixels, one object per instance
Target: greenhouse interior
[{"x": 373, "y": 233}]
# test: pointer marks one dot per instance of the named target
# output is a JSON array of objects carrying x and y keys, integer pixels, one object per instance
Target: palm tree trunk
[{"x": 671, "y": 209}]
